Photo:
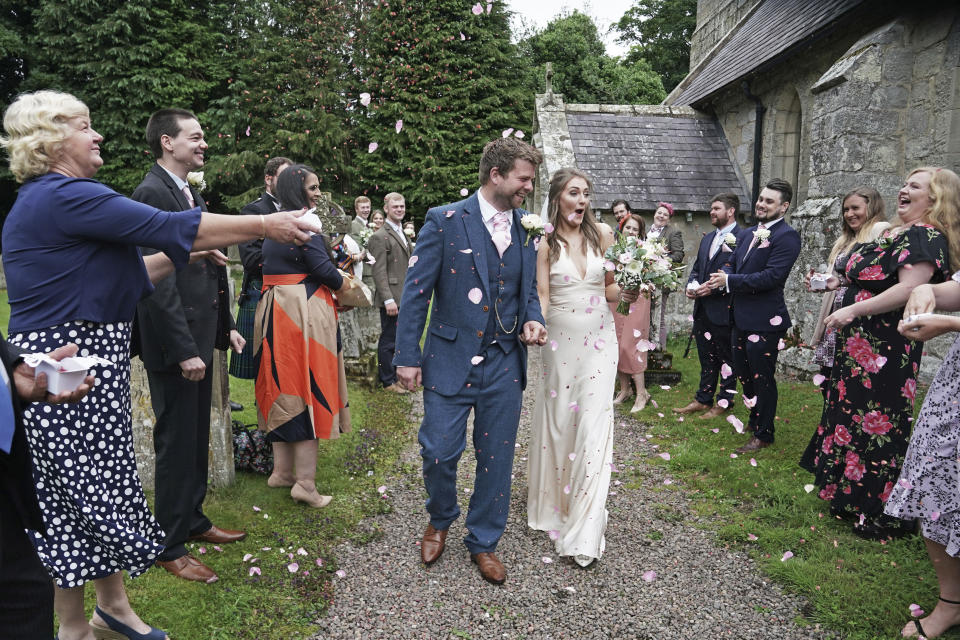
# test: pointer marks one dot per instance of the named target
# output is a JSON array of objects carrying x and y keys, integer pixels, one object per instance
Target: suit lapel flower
[
  {"x": 195, "y": 180},
  {"x": 729, "y": 243}
]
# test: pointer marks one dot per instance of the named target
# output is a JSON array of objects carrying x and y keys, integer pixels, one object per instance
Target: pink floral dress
[{"x": 858, "y": 447}]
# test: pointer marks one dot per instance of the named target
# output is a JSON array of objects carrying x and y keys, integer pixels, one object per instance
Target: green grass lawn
[{"x": 860, "y": 588}]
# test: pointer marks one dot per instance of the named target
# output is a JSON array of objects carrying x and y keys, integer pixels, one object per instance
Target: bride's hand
[
  {"x": 628, "y": 295},
  {"x": 534, "y": 333}
]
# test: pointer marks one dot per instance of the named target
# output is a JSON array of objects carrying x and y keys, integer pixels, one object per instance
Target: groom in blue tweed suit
[{"x": 473, "y": 259}]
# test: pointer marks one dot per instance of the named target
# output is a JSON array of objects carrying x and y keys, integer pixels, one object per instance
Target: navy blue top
[
  {"x": 70, "y": 251},
  {"x": 312, "y": 259}
]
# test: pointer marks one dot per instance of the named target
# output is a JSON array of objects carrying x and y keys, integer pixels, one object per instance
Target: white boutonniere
[
  {"x": 730, "y": 240},
  {"x": 535, "y": 226},
  {"x": 761, "y": 236},
  {"x": 195, "y": 180},
  {"x": 409, "y": 233}
]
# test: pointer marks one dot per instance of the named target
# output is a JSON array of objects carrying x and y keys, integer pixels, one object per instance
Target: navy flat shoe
[{"x": 116, "y": 630}]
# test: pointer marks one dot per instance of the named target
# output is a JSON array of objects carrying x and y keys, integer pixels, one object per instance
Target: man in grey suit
[
  {"x": 361, "y": 205},
  {"x": 180, "y": 324},
  {"x": 391, "y": 251}
]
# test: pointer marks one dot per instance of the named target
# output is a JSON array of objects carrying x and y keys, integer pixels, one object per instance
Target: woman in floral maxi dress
[{"x": 858, "y": 447}]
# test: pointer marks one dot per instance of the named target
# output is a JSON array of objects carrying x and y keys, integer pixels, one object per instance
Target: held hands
[
  {"x": 237, "y": 341},
  {"x": 700, "y": 292},
  {"x": 928, "y": 326},
  {"x": 410, "y": 377},
  {"x": 193, "y": 369},
  {"x": 717, "y": 280},
  {"x": 34, "y": 389},
  {"x": 840, "y": 318},
  {"x": 921, "y": 300},
  {"x": 536, "y": 333},
  {"x": 287, "y": 226}
]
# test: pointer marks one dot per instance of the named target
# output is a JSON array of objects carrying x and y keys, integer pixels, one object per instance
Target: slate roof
[
  {"x": 775, "y": 27},
  {"x": 644, "y": 159}
]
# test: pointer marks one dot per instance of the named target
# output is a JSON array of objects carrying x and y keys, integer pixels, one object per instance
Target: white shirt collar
[
  {"x": 487, "y": 210},
  {"x": 180, "y": 183},
  {"x": 395, "y": 227},
  {"x": 767, "y": 225},
  {"x": 727, "y": 229}
]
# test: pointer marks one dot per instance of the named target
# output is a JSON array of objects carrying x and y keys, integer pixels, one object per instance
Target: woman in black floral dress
[{"x": 858, "y": 447}]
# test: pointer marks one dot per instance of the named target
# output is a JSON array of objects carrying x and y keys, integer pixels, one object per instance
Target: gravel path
[{"x": 701, "y": 590}]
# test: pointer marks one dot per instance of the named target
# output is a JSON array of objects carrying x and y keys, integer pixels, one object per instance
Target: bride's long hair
[{"x": 589, "y": 228}]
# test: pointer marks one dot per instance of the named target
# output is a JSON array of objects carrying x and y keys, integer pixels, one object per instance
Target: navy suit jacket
[
  {"x": 450, "y": 261},
  {"x": 756, "y": 280},
  {"x": 716, "y": 306}
]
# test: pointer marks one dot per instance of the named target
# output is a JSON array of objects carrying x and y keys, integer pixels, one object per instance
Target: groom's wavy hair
[
  {"x": 589, "y": 228},
  {"x": 503, "y": 153}
]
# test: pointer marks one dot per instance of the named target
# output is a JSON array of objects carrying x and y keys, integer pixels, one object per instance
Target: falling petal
[
  {"x": 776, "y": 321},
  {"x": 506, "y": 132},
  {"x": 412, "y": 261},
  {"x": 750, "y": 536},
  {"x": 706, "y": 334},
  {"x": 463, "y": 192},
  {"x": 659, "y": 414},
  {"x": 293, "y": 567},
  {"x": 781, "y": 345},
  {"x": 753, "y": 337},
  {"x": 915, "y": 610},
  {"x": 733, "y": 455},
  {"x": 934, "y": 516},
  {"x": 302, "y": 552},
  {"x": 546, "y": 560},
  {"x": 256, "y": 508},
  {"x": 202, "y": 550},
  {"x": 449, "y": 213},
  {"x": 753, "y": 462},
  {"x": 736, "y": 422},
  {"x": 566, "y": 489},
  {"x": 654, "y": 403},
  {"x": 548, "y": 228},
  {"x": 466, "y": 250},
  {"x": 553, "y": 393},
  {"x": 818, "y": 379},
  {"x": 248, "y": 131},
  {"x": 341, "y": 573},
  {"x": 475, "y": 295},
  {"x": 247, "y": 556},
  {"x": 518, "y": 134},
  {"x": 648, "y": 576},
  {"x": 725, "y": 370},
  {"x": 477, "y": 9},
  {"x": 572, "y": 455},
  {"x": 475, "y": 360},
  {"x": 554, "y": 345},
  {"x": 665, "y": 456},
  {"x": 808, "y": 488},
  {"x": 750, "y": 403},
  {"x": 668, "y": 481},
  {"x": 489, "y": 7},
  {"x": 637, "y": 333},
  {"x": 599, "y": 344},
  {"x": 462, "y": 37},
  {"x": 399, "y": 125},
  {"x": 554, "y": 534},
  {"x": 365, "y": 99},
  {"x": 382, "y": 489},
  {"x": 786, "y": 556},
  {"x": 665, "y": 387},
  {"x": 573, "y": 406},
  {"x": 372, "y": 147},
  {"x": 715, "y": 430},
  {"x": 723, "y": 403},
  {"x": 594, "y": 301},
  {"x": 254, "y": 571},
  {"x": 906, "y": 484}
]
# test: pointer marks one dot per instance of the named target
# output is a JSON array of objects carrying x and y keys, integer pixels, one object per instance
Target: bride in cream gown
[{"x": 571, "y": 449}]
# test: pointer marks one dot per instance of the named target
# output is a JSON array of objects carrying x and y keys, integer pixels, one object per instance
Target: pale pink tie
[
  {"x": 756, "y": 240},
  {"x": 186, "y": 192},
  {"x": 501, "y": 231}
]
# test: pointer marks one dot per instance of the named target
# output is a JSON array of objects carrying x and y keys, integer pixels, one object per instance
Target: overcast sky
[{"x": 604, "y": 13}]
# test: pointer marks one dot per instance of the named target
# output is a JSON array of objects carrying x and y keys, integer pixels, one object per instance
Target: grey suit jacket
[
  {"x": 188, "y": 314},
  {"x": 392, "y": 254}
]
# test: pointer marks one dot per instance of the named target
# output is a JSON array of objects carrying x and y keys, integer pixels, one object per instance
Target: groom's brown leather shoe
[
  {"x": 490, "y": 567},
  {"x": 431, "y": 547},
  {"x": 690, "y": 408},
  {"x": 715, "y": 412}
]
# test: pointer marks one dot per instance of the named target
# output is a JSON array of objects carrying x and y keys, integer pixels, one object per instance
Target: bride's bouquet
[{"x": 641, "y": 265}]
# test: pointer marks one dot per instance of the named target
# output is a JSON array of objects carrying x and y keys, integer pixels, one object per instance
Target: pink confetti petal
[
  {"x": 477, "y": 9},
  {"x": 725, "y": 371},
  {"x": 554, "y": 534},
  {"x": 462, "y": 37},
  {"x": 248, "y": 131},
  {"x": 566, "y": 489},
  {"x": 648, "y": 576},
  {"x": 750, "y": 403},
  {"x": 546, "y": 560},
  {"x": 594, "y": 301},
  {"x": 365, "y": 99},
  {"x": 654, "y": 403},
  {"x": 372, "y": 147},
  {"x": 254, "y": 571},
  {"x": 302, "y": 552},
  {"x": 776, "y": 321},
  {"x": 518, "y": 133},
  {"x": 554, "y": 345},
  {"x": 464, "y": 192},
  {"x": 449, "y": 213},
  {"x": 736, "y": 422},
  {"x": 665, "y": 387},
  {"x": 293, "y": 567},
  {"x": 553, "y": 393},
  {"x": 906, "y": 484},
  {"x": 247, "y": 556},
  {"x": 475, "y": 360},
  {"x": 382, "y": 489},
  {"x": 934, "y": 516},
  {"x": 723, "y": 403},
  {"x": 786, "y": 556},
  {"x": 548, "y": 228},
  {"x": 668, "y": 481},
  {"x": 599, "y": 344},
  {"x": 573, "y": 406},
  {"x": 665, "y": 456},
  {"x": 475, "y": 295},
  {"x": 915, "y": 610},
  {"x": 256, "y": 508},
  {"x": 751, "y": 537},
  {"x": 399, "y": 125},
  {"x": 715, "y": 430},
  {"x": 489, "y": 7},
  {"x": 412, "y": 261},
  {"x": 572, "y": 455},
  {"x": 707, "y": 335},
  {"x": 340, "y": 573},
  {"x": 506, "y": 132},
  {"x": 818, "y": 379},
  {"x": 753, "y": 462},
  {"x": 659, "y": 414},
  {"x": 466, "y": 250},
  {"x": 753, "y": 337},
  {"x": 733, "y": 455},
  {"x": 202, "y": 550}
]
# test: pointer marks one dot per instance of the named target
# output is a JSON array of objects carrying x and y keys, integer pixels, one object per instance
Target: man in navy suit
[
  {"x": 756, "y": 277},
  {"x": 473, "y": 259},
  {"x": 711, "y": 309}
]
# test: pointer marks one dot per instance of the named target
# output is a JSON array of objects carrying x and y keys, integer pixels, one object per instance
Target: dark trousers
[
  {"x": 755, "y": 364},
  {"x": 713, "y": 352},
  {"x": 181, "y": 439},
  {"x": 385, "y": 348},
  {"x": 26, "y": 590}
]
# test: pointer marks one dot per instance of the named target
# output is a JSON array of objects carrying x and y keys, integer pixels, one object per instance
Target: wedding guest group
[
  {"x": 633, "y": 329},
  {"x": 716, "y": 391},
  {"x": 621, "y": 212},
  {"x": 95, "y": 524},
  {"x": 390, "y": 249},
  {"x": 472, "y": 260},
  {"x": 187, "y": 316}
]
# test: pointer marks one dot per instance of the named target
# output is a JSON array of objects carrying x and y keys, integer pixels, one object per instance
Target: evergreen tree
[
  {"x": 660, "y": 31},
  {"x": 453, "y": 78}
]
